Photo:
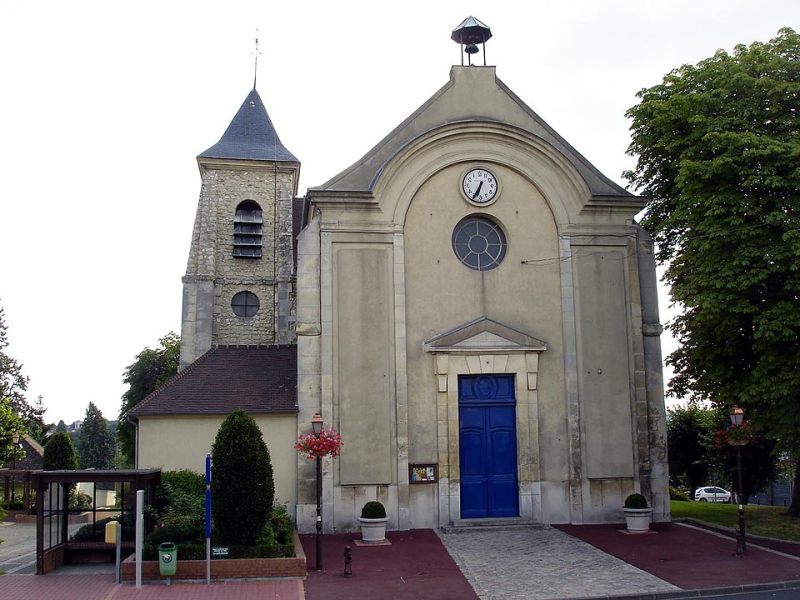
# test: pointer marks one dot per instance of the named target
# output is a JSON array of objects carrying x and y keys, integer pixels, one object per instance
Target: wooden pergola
[{"x": 53, "y": 547}]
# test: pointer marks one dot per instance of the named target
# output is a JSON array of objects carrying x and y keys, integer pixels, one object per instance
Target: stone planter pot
[
  {"x": 373, "y": 531},
  {"x": 638, "y": 519}
]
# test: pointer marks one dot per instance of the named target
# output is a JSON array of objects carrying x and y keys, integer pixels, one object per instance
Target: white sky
[{"x": 104, "y": 106}]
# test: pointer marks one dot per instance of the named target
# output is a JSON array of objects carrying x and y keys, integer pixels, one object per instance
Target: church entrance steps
[{"x": 505, "y": 524}]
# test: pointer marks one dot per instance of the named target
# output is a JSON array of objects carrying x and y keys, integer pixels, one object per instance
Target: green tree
[
  {"x": 59, "y": 453},
  {"x": 150, "y": 370},
  {"x": 95, "y": 441},
  {"x": 718, "y": 155},
  {"x": 13, "y": 385},
  {"x": 10, "y": 423},
  {"x": 241, "y": 481},
  {"x": 61, "y": 427},
  {"x": 689, "y": 431}
]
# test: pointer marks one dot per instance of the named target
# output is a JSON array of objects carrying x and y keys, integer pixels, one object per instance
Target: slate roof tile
[
  {"x": 250, "y": 136},
  {"x": 256, "y": 379}
]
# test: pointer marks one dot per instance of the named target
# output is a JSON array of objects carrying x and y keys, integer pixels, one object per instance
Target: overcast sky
[{"x": 105, "y": 105}]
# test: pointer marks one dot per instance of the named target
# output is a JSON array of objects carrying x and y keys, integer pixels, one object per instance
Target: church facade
[{"x": 471, "y": 304}]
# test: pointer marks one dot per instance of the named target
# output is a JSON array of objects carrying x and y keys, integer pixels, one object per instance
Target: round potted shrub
[
  {"x": 637, "y": 513},
  {"x": 373, "y": 522}
]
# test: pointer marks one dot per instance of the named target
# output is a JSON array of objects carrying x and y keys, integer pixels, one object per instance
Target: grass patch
[{"x": 769, "y": 521}]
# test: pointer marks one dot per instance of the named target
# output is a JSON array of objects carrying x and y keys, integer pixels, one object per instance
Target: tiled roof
[
  {"x": 256, "y": 379},
  {"x": 33, "y": 454},
  {"x": 250, "y": 135}
]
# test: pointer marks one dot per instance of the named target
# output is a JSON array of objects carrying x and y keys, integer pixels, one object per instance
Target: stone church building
[{"x": 471, "y": 304}]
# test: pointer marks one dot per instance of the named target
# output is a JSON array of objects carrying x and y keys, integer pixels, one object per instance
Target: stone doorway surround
[{"x": 485, "y": 346}]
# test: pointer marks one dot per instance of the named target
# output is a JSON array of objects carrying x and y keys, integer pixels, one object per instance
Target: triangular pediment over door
[{"x": 484, "y": 335}]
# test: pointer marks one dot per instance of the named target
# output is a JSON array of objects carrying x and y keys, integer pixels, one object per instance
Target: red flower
[{"x": 329, "y": 442}]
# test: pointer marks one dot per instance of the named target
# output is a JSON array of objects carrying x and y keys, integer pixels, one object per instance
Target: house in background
[{"x": 471, "y": 304}]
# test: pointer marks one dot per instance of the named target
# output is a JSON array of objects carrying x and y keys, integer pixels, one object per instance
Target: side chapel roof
[
  {"x": 256, "y": 379},
  {"x": 251, "y": 136}
]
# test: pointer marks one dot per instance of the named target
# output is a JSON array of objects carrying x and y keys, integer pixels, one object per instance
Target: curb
[
  {"x": 701, "y": 593},
  {"x": 731, "y": 530}
]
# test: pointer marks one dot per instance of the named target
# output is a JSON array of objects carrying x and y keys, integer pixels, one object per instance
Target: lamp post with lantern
[
  {"x": 316, "y": 424},
  {"x": 737, "y": 419},
  {"x": 15, "y": 440}
]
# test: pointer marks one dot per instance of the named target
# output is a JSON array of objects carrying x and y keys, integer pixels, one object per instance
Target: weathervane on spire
[
  {"x": 469, "y": 33},
  {"x": 256, "y": 53}
]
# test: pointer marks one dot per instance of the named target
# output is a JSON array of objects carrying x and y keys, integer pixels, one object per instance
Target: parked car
[{"x": 712, "y": 494}]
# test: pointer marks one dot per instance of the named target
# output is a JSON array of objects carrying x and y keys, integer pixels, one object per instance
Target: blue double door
[{"x": 488, "y": 446}]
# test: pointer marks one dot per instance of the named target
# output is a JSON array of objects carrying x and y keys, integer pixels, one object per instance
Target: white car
[{"x": 712, "y": 494}]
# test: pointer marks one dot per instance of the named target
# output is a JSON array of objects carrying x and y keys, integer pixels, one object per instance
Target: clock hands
[{"x": 478, "y": 191}]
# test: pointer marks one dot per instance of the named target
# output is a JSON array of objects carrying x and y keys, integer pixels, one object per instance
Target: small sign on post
[
  {"x": 220, "y": 551},
  {"x": 208, "y": 519}
]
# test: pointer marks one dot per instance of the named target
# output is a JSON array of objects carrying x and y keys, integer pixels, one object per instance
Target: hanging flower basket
[
  {"x": 329, "y": 443},
  {"x": 734, "y": 435}
]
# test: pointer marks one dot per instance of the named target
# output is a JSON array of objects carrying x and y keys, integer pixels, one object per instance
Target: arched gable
[{"x": 543, "y": 166}]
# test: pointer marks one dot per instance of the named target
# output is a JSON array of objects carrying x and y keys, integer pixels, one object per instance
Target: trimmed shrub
[
  {"x": 635, "y": 501},
  {"x": 676, "y": 494},
  {"x": 79, "y": 501},
  {"x": 59, "y": 453},
  {"x": 180, "y": 505},
  {"x": 373, "y": 510},
  {"x": 241, "y": 483},
  {"x": 96, "y": 532}
]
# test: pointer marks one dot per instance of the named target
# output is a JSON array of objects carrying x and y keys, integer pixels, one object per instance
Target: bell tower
[{"x": 239, "y": 282}]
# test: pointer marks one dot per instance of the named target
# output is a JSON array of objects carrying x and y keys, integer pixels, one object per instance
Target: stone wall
[{"x": 214, "y": 275}]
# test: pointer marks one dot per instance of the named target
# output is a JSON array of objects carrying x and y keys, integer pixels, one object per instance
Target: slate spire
[{"x": 250, "y": 136}]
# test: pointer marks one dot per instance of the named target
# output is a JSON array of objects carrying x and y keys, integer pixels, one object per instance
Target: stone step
[{"x": 464, "y": 525}]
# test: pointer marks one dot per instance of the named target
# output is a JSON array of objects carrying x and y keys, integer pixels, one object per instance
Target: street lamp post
[
  {"x": 316, "y": 424},
  {"x": 15, "y": 440},
  {"x": 737, "y": 418}
]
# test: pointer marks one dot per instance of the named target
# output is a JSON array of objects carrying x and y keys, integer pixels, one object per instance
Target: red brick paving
[
  {"x": 102, "y": 587},
  {"x": 415, "y": 566},
  {"x": 688, "y": 557}
]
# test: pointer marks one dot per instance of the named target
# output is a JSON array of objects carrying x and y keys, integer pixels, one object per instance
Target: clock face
[{"x": 480, "y": 186}]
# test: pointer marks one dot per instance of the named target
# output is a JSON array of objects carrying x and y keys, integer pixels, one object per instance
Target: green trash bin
[{"x": 167, "y": 559}]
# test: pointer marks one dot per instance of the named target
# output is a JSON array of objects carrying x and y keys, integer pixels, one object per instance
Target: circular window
[
  {"x": 245, "y": 304},
  {"x": 479, "y": 243}
]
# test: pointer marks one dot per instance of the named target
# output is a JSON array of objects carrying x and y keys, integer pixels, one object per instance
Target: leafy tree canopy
[
  {"x": 13, "y": 385},
  {"x": 95, "y": 441},
  {"x": 10, "y": 422},
  {"x": 150, "y": 370},
  {"x": 695, "y": 459},
  {"x": 59, "y": 453},
  {"x": 688, "y": 437},
  {"x": 718, "y": 156}
]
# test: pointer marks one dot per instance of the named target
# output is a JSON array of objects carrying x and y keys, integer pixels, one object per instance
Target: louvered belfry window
[{"x": 247, "y": 230}]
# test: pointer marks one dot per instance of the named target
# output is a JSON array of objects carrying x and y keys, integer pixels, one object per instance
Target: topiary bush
[
  {"x": 241, "y": 482},
  {"x": 635, "y": 501},
  {"x": 59, "y": 453},
  {"x": 373, "y": 510}
]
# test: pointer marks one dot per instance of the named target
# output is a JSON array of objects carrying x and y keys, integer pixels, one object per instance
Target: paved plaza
[
  {"x": 543, "y": 563},
  {"x": 489, "y": 564}
]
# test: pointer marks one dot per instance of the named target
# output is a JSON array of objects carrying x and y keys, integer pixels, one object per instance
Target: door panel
[{"x": 488, "y": 446}]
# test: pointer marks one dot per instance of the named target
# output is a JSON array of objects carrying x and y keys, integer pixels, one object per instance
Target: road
[{"x": 18, "y": 550}]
